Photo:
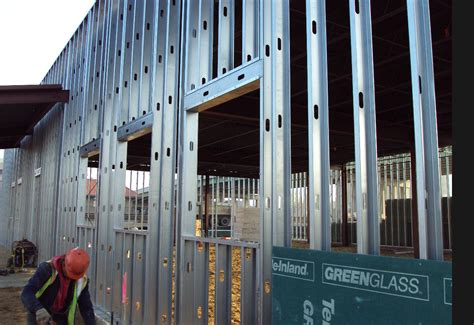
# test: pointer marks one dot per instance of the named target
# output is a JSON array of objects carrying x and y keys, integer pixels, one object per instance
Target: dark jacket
[{"x": 42, "y": 274}]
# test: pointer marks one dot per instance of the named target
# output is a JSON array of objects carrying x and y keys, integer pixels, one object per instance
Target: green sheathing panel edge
[{"x": 316, "y": 287}]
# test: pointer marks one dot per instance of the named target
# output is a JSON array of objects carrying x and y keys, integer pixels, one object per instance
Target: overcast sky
[{"x": 33, "y": 33}]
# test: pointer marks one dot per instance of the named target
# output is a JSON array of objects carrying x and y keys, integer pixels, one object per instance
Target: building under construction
[{"x": 181, "y": 141}]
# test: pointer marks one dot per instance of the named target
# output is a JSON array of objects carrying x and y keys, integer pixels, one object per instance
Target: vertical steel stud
[
  {"x": 426, "y": 132},
  {"x": 368, "y": 233}
]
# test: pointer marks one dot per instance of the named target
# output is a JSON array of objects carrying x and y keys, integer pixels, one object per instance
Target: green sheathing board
[{"x": 315, "y": 287}]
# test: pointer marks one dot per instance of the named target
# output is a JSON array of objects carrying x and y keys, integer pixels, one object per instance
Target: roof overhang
[{"x": 22, "y": 107}]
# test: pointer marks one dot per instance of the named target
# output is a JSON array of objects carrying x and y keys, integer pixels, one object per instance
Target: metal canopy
[{"x": 22, "y": 107}]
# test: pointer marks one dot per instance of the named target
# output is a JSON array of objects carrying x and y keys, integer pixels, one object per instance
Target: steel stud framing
[
  {"x": 364, "y": 127},
  {"x": 426, "y": 133},
  {"x": 139, "y": 69}
]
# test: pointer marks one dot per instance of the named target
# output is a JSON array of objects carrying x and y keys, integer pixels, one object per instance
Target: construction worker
[{"x": 56, "y": 288}]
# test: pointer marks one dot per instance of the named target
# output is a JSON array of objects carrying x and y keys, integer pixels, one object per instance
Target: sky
[{"x": 33, "y": 33}]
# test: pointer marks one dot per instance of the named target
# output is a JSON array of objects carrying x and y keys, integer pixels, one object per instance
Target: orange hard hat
[{"x": 76, "y": 263}]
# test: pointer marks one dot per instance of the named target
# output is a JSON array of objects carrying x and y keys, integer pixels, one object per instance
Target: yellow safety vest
[{"x": 80, "y": 285}]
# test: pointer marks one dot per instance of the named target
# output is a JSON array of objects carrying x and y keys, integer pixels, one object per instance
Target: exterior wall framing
[{"x": 150, "y": 68}]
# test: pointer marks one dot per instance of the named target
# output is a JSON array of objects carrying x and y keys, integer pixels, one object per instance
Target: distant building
[{"x": 136, "y": 205}]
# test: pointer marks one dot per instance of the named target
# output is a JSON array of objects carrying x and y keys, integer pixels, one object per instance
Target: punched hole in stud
[
  {"x": 357, "y": 7},
  {"x": 280, "y": 121},
  {"x": 314, "y": 27},
  {"x": 279, "y": 44},
  {"x": 156, "y": 155},
  {"x": 205, "y": 93},
  {"x": 225, "y": 11},
  {"x": 267, "y": 125},
  {"x": 168, "y": 152},
  {"x": 361, "y": 100},
  {"x": 267, "y": 50},
  {"x": 316, "y": 112},
  {"x": 242, "y": 76}
]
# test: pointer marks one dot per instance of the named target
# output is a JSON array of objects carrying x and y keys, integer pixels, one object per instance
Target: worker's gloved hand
[{"x": 42, "y": 317}]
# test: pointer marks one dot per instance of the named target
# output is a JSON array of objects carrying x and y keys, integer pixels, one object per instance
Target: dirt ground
[
  {"x": 12, "y": 311},
  {"x": 11, "y": 308}
]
